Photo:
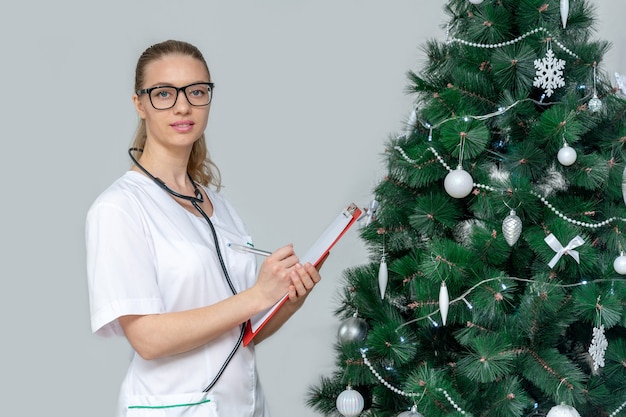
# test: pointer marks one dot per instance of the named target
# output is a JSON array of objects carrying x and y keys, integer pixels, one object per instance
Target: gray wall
[{"x": 307, "y": 94}]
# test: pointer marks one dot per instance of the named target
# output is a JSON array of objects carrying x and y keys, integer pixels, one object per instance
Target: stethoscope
[{"x": 195, "y": 200}]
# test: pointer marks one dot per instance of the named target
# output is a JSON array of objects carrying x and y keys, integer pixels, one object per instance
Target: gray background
[{"x": 307, "y": 94}]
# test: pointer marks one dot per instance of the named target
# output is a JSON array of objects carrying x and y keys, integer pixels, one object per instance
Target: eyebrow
[{"x": 167, "y": 84}]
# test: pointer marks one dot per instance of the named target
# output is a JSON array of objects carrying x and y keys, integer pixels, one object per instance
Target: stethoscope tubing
[{"x": 195, "y": 200}]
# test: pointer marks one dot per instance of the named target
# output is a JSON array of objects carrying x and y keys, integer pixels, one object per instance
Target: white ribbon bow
[{"x": 556, "y": 246}]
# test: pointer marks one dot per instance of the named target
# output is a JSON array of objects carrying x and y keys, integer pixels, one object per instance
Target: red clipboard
[{"x": 314, "y": 255}]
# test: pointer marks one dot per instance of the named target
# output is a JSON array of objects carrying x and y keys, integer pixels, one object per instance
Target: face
[{"x": 181, "y": 125}]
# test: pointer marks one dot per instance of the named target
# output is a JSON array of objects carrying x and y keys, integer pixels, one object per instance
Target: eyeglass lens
[{"x": 165, "y": 97}]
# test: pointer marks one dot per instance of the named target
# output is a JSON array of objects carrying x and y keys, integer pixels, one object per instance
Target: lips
[{"x": 182, "y": 125}]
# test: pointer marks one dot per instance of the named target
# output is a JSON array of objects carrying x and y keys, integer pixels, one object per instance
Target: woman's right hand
[{"x": 274, "y": 280}]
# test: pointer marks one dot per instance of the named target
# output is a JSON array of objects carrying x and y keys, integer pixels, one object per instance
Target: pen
[{"x": 248, "y": 249}]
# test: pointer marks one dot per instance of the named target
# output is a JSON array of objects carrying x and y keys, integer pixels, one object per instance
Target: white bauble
[
  {"x": 567, "y": 155},
  {"x": 475, "y": 1},
  {"x": 350, "y": 403},
  {"x": 458, "y": 183},
  {"x": 619, "y": 264},
  {"x": 563, "y": 410}
]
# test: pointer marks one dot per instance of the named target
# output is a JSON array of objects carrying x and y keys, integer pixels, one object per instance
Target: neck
[
  {"x": 180, "y": 183},
  {"x": 170, "y": 167}
]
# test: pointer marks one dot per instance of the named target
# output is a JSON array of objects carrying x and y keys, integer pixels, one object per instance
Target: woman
[{"x": 160, "y": 272}]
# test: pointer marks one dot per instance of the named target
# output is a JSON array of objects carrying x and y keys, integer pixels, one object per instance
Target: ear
[{"x": 139, "y": 106}]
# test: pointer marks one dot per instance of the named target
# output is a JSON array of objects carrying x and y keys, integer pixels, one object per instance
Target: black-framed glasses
[{"x": 164, "y": 97}]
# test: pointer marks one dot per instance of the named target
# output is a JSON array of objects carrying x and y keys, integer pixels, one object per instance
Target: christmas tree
[{"x": 495, "y": 284}]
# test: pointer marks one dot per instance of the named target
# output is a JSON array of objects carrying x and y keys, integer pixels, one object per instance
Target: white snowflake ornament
[
  {"x": 598, "y": 347},
  {"x": 549, "y": 74}
]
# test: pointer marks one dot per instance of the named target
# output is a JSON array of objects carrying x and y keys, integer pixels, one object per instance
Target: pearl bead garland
[
  {"x": 440, "y": 159},
  {"x": 408, "y": 394},
  {"x": 576, "y": 222},
  {"x": 445, "y": 393},
  {"x": 618, "y": 409},
  {"x": 541, "y": 198},
  {"x": 509, "y": 42}
]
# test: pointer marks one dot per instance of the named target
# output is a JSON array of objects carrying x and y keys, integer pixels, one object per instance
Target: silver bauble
[
  {"x": 512, "y": 228},
  {"x": 352, "y": 330},
  {"x": 595, "y": 104}
]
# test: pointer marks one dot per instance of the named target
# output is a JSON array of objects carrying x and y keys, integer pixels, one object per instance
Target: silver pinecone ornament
[{"x": 511, "y": 228}]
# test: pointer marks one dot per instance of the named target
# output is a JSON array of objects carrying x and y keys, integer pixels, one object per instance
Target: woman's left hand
[{"x": 303, "y": 279}]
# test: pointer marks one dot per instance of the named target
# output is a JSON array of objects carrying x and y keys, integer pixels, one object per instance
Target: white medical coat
[{"x": 146, "y": 254}]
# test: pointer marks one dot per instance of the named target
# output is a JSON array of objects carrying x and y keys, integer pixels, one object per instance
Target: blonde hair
[{"x": 200, "y": 166}]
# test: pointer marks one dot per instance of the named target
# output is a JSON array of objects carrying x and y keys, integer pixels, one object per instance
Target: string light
[
  {"x": 463, "y": 297},
  {"x": 467, "y": 118}
]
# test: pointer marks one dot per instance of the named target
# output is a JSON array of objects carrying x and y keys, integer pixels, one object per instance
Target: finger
[
  {"x": 285, "y": 256},
  {"x": 293, "y": 295},
  {"x": 298, "y": 283},
  {"x": 309, "y": 275},
  {"x": 280, "y": 261},
  {"x": 281, "y": 253},
  {"x": 313, "y": 272}
]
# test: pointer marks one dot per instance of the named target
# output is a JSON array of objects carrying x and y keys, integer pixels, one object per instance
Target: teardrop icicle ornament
[
  {"x": 564, "y": 12},
  {"x": 512, "y": 228},
  {"x": 382, "y": 277},
  {"x": 444, "y": 302},
  {"x": 382, "y": 269}
]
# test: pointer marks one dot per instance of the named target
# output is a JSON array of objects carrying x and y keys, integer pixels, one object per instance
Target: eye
[
  {"x": 197, "y": 92},
  {"x": 163, "y": 93}
]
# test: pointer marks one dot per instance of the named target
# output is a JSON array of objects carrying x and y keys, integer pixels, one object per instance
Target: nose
[{"x": 182, "y": 103}]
